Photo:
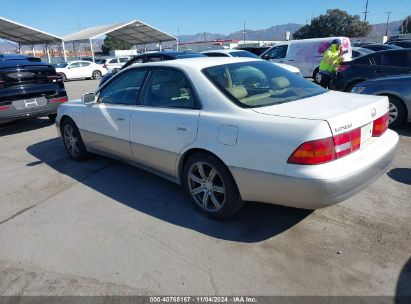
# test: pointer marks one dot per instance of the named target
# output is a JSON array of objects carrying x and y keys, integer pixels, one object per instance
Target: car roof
[
  {"x": 198, "y": 63},
  {"x": 225, "y": 51}
]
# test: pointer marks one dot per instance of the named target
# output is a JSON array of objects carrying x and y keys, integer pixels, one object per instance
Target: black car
[
  {"x": 401, "y": 43},
  {"x": 152, "y": 57},
  {"x": 376, "y": 47},
  {"x": 375, "y": 65},
  {"x": 28, "y": 88},
  {"x": 398, "y": 90},
  {"x": 258, "y": 50}
]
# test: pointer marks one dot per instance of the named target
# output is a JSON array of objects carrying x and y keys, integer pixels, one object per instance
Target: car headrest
[
  {"x": 280, "y": 82},
  {"x": 170, "y": 89},
  {"x": 238, "y": 92}
]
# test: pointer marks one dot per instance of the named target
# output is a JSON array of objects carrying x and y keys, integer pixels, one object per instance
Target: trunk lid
[{"x": 342, "y": 111}]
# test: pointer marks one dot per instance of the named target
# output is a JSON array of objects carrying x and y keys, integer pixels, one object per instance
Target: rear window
[
  {"x": 260, "y": 83},
  {"x": 190, "y": 55},
  {"x": 243, "y": 54}
]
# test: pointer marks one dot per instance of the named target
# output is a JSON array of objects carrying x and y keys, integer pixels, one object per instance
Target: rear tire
[
  {"x": 63, "y": 76},
  {"x": 211, "y": 186},
  {"x": 52, "y": 117},
  {"x": 397, "y": 112},
  {"x": 96, "y": 75},
  {"x": 317, "y": 76},
  {"x": 72, "y": 140},
  {"x": 115, "y": 70}
]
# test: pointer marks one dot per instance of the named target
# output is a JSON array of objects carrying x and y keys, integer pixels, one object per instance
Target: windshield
[
  {"x": 61, "y": 65},
  {"x": 260, "y": 83},
  {"x": 243, "y": 54}
]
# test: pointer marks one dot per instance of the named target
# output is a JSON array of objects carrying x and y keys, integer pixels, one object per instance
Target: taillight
[
  {"x": 328, "y": 149},
  {"x": 380, "y": 125},
  {"x": 60, "y": 99},
  {"x": 342, "y": 68},
  {"x": 314, "y": 152},
  {"x": 4, "y": 108},
  {"x": 347, "y": 143}
]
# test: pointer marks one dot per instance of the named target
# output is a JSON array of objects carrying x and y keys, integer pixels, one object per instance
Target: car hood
[{"x": 343, "y": 111}]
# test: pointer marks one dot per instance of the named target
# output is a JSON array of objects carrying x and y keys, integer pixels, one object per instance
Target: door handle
[
  {"x": 120, "y": 118},
  {"x": 182, "y": 127},
  {"x": 291, "y": 60}
]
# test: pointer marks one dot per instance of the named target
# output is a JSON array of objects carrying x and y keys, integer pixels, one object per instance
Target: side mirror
[{"x": 88, "y": 98}]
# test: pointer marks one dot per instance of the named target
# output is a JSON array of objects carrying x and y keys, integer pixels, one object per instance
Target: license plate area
[
  {"x": 366, "y": 132},
  {"x": 31, "y": 103}
]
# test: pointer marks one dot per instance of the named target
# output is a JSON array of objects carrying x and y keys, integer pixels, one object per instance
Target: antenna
[
  {"x": 366, "y": 11},
  {"x": 388, "y": 20}
]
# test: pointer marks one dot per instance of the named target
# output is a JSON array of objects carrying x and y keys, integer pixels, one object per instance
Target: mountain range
[{"x": 276, "y": 32}]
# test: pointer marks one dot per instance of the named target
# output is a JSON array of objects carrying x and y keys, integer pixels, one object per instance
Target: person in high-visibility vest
[{"x": 330, "y": 62}]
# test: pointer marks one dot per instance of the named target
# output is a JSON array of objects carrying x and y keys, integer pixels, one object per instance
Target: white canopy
[
  {"x": 16, "y": 32},
  {"x": 133, "y": 32}
]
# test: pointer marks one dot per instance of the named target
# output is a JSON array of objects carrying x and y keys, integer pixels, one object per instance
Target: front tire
[
  {"x": 72, "y": 140},
  {"x": 211, "y": 186},
  {"x": 96, "y": 75}
]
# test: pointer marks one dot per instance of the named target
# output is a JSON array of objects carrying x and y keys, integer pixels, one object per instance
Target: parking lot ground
[{"x": 102, "y": 227}]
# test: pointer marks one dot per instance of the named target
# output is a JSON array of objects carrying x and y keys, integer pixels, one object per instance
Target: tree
[
  {"x": 111, "y": 43},
  {"x": 334, "y": 23},
  {"x": 405, "y": 27}
]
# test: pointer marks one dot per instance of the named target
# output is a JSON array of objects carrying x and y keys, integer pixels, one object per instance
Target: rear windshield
[
  {"x": 260, "y": 83},
  {"x": 243, "y": 54},
  {"x": 190, "y": 55}
]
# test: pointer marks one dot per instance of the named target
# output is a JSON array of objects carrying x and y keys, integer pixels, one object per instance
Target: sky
[{"x": 185, "y": 17}]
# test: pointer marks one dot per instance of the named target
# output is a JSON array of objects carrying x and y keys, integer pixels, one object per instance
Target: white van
[{"x": 305, "y": 54}]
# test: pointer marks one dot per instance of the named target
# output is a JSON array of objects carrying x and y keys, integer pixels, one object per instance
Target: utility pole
[
  {"x": 178, "y": 38},
  {"x": 244, "y": 33},
  {"x": 388, "y": 20},
  {"x": 366, "y": 11}
]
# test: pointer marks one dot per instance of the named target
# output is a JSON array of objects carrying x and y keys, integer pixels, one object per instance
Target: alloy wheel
[
  {"x": 393, "y": 113},
  {"x": 96, "y": 75},
  {"x": 206, "y": 186},
  {"x": 71, "y": 140}
]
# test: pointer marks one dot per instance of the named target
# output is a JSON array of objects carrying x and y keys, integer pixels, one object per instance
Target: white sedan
[
  {"x": 247, "y": 54},
  {"x": 232, "y": 130},
  {"x": 80, "y": 69}
]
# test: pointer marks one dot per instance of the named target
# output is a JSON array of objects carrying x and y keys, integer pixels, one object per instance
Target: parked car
[
  {"x": 81, "y": 69},
  {"x": 375, "y": 65},
  {"x": 114, "y": 64},
  {"x": 305, "y": 54},
  {"x": 406, "y": 44},
  {"x": 241, "y": 53},
  {"x": 256, "y": 50},
  {"x": 359, "y": 52},
  {"x": 200, "y": 123},
  {"x": 376, "y": 47},
  {"x": 28, "y": 88},
  {"x": 152, "y": 57},
  {"x": 398, "y": 90}
]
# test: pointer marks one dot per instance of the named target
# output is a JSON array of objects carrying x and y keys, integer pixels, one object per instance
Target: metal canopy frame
[
  {"x": 134, "y": 32},
  {"x": 26, "y": 35}
]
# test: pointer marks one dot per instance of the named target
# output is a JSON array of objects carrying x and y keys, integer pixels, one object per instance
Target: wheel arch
[
  {"x": 190, "y": 152},
  {"x": 388, "y": 94}
]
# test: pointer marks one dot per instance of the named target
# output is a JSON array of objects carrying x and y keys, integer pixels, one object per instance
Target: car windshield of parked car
[
  {"x": 243, "y": 54},
  {"x": 61, "y": 65},
  {"x": 260, "y": 83}
]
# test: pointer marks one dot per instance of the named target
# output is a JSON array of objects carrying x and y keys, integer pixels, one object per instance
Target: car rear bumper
[
  {"x": 312, "y": 193},
  {"x": 13, "y": 114}
]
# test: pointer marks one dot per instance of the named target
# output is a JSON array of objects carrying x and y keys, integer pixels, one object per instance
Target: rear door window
[
  {"x": 122, "y": 60},
  {"x": 394, "y": 59}
]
